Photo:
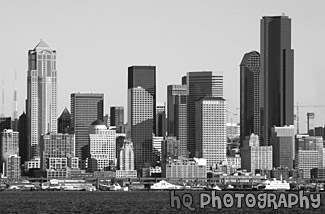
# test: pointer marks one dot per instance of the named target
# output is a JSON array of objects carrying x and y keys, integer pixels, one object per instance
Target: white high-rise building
[
  {"x": 211, "y": 139},
  {"x": 102, "y": 145},
  {"x": 41, "y": 95},
  {"x": 127, "y": 156}
]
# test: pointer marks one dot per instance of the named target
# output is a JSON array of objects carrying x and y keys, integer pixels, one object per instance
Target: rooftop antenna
[{"x": 15, "y": 103}]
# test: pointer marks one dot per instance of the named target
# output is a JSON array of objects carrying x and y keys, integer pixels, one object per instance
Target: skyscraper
[
  {"x": 249, "y": 95},
  {"x": 64, "y": 122},
  {"x": 41, "y": 94},
  {"x": 277, "y": 75},
  {"x": 211, "y": 138},
  {"x": 141, "y": 111},
  {"x": 85, "y": 108},
  {"x": 199, "y": 85},
  {"x": 117, "y": 117},
  {"x": 161, "y": 120}
]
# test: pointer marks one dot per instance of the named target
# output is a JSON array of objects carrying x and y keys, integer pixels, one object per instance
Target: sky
[{"x": 97, "y": 40}]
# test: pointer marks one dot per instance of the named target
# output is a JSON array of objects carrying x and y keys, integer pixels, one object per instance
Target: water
[{"x": 115, "y": 202}]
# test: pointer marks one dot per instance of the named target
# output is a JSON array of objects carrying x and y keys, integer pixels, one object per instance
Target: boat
[
  {"x": 115, "y": 187},
  {"x": 164, "y": 185},
  {"x": 274, "y": 185},
  {"x": 198, "y": 187}
]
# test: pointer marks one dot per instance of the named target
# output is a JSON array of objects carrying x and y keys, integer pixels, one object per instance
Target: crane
[{"x": 304, "y": 106}]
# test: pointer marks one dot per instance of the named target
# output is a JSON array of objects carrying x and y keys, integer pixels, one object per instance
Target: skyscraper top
[
  {"x": 41, "y": 45},
  {"x": 282, "y": 16}
]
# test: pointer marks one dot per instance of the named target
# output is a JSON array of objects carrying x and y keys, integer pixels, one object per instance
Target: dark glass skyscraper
[
  {"x": 277, "y": 75},
  {"x": 199, "y": 84},
  {"x": 141, "y": 112},
  {"x": 85, "y": 109},
  {"x": 64, "y": 122},
  {"x": 249, "y": 95}
]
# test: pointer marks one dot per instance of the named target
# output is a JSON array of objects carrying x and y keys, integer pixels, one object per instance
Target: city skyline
[{"x": 201, "y": 49}]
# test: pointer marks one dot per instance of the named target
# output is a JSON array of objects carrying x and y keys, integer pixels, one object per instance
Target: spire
[{"x": 15, "y": 103}]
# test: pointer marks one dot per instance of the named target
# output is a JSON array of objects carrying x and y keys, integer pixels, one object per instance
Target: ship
[
  {"x": 274, "y": 185},
  {"x": 164, "y": 185}
]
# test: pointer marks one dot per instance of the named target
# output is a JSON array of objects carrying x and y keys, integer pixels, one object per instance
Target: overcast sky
[{"x": 97, "y": 40}]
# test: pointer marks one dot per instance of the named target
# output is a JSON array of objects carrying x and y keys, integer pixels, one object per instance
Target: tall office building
[
  {"x": 161, "y": 121},
  {"x": 199, "y": 85},
  {"x": 5, "y": 123},
  {"x": 23, "y": 143},
  {"x": 249, "y": 95},
  {"x": 127, "y": 156},
  {"x": 141, "y": 111},
  {"x": 310, "y": 123},
  {"x": 276, "y": 76},
  {"x": 283, "y": 142},
  {"x": 41, "y": 95},
  {"x": 85, "y": 108},
  {"x": 177, "y": 115},
  {"x": 102, "y": 143},
  {"x": 117, "y": 117},
  {"x": 64, "y": 122},
  {"x": 211, "y": 136}
]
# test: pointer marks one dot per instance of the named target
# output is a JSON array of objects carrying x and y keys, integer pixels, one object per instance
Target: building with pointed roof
[
  {"x": 64, "y": 122},
  {"x": 41, "y": 95}
]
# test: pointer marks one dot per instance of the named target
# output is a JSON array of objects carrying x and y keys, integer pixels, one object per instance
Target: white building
[
  {"x": 126, "y": 161},
  {"x": 102, "y": 145},
  {"x": 41, "y": 95},
  {"x": 211, "y": 139},
  {"x": 185, "y": 168}
]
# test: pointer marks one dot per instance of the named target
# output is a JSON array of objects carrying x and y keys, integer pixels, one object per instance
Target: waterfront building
[
  {"x": 283, "y": 142},
  {"x": 64, "y": 122},
  {"x": 249, "y": 95},
  {"x": 41, "y": 95},
  {"x": 234, "y": 162},
  {"x": 141, "y": 112},
  {"x": 254, "y": 156},
  {"x": 276, "y": 75},
  {"x": 9, "y": 148},
  {"x": 56, "y": 145},
  {"x": 85, "y": 109},
  {"x": 185, "y": 168},
  {"x": 199, "y": 85},
  {"x": 211, "y": 139},
  {"x": 102, "y": 142},
  {"x": 34, "y": 163},
  {"x": 177, "y": 115}
]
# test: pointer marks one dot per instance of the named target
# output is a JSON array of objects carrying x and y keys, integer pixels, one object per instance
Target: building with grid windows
[
  {"x": 126, "y": 161},
  {"x": 199, "y": 85},
  {"x": 177, "y": 115},
  {"x": 283, "y": 144},
  {"x": 117, "y": 118},
  {"x": 102, "y": 144},
  {"x": 85, "y": 109},
  {"x": 170, "y": 149},
  {"x": 41, "y": 95},
  {"x": 249, "y": 95},
  {"x": 9, "y": 156},
  {"x": 56, "y": 145},
  {"x": 254, "y": 156},
  {"x": 211, "y": 136},
  {"x": 276, "y": 75},
  {"x": 142, "y": 112}
]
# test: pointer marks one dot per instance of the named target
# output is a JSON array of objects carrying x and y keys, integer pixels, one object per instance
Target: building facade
[
  {"x": 41, "y": 95},
  {"x": 276, "y": 75},
  {"x": 199, "y": 85},
  {"x": 85, "y": 109},
  {"x": 56, "y": 145},
  {"x": 102, "y": 144},
  {"x": 64, "y": 122},
  {"x": 161, "y": 121},
  {"x": 185, "y": 169},
  {"x": 211, "y": 136},
  {"x": 141, "y": 112},
  {"x": 117, "y": 118},
  {"x": 283, "y": 143},
  {"x": 249, "y": 95}
]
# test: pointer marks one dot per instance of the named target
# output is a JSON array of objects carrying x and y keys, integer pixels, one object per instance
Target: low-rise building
[{"x": 185, "y": 168}]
